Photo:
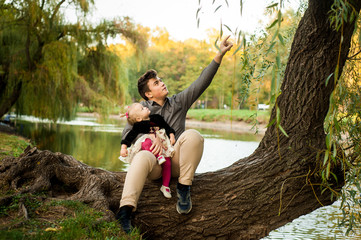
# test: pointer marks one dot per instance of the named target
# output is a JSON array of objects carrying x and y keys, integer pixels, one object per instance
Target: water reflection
[
  {"x": 220, "y": 153},
  {"x": 95, "y": 144},
  {"x": 98, "y": 144},
  {"x": 321, "y": 224}
]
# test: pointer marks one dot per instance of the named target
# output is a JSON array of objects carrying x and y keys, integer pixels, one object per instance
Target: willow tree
[
  {"x": 39, "y": 55},
  {"x": 279, "y": 182}
]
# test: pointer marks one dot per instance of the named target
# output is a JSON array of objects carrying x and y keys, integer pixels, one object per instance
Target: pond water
[{"x": 98, "y": 144}]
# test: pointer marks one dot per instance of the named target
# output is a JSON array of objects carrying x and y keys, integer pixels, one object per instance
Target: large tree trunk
[
  {"x": 8, "y": 96},
  {"x": 246, "y": 200}
]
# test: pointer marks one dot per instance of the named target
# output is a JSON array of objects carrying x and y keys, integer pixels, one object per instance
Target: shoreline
[
  {"x": 238, "y": 127},
  {"x": 229, "y": 126}
]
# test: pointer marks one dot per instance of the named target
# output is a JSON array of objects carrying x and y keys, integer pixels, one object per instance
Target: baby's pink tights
[{"x": 166, "y": 166}]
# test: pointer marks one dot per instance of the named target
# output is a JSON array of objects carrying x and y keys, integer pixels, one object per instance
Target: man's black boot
[
  {"x": 184, "y": 203},
  {"x": 123, "y": 217}
]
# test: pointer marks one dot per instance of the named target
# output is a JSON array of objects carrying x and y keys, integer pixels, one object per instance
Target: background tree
[
  {"x": 265, "y": 58},
  {"x": 106, "y": 77},
  {"x": 39, "y": 56}
]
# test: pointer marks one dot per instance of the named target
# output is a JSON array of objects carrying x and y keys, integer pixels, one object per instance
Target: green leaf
[
  {"x": 281, "y": 39},
  {"x": 199, "y": 9},
  {"x": 221, "y": 31},
  {"x": 217, "y": 8},
  {"x": 334, "y": 150},
  {"x": 278, "y": 61},
  {"x": 325, "y": 159},
  {"x": 241, "y": 6},
  {"x": 329, "y": 76},
  {"x": 318, "y": 155},
  {"x": 279, "y": 17},
  {"x": 282, "y": 130},
  {"x": 337, "y": 125},
  {"x": 229, "y": 29},
  {"x": 271, "y": 122},
  {"x": 344, "y": 10},
  {"x": 272, "y": 25},
  {"x": 275, "y": 35},
  {"x": 270, "y": 48},
  {"x": 328, "y": 170},
  {"x": 272, "y": 5},
  {"x": 336, "y": 71},
  {"x": 238, "y": 48},
  {"x": 239, "y": 36},
  {"x": 278, "y": 81},
  {"x": 273, "y": 81},
  {"x": 215, "y": 44},
  {"x": 328, "y": 141}
]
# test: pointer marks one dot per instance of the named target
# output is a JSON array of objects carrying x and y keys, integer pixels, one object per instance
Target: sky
[{"x": 179, "y": 16}]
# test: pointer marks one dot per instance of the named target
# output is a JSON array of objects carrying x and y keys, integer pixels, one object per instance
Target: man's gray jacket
[{"x": 175, "y": 108}]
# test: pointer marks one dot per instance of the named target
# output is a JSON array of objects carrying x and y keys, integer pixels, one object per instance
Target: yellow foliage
[{"x": 123, "y": 50}]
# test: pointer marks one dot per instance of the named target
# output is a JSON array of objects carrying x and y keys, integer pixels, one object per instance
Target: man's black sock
[{"x": 182, "y": 187}]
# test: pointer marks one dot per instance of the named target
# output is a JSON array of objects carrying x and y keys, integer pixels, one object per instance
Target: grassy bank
[
  {"x": 54, "y": 219},
  {"x": 12, "y": 145},
  {"x": 222, "y": 115},
  {"x": 35, "y": 216}
]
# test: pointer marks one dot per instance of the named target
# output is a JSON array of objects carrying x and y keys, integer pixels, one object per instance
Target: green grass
[
  {"x": 57, "y": 219},
  {"x": 12, "y": 145},
  {"x": 222, "y": 115}
]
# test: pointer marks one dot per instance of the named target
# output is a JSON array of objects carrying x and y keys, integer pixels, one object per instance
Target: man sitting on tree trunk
[{"x": 188, "y": 146}]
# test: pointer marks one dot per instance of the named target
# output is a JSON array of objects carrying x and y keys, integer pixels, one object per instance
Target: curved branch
[
  {"x": 352, "y": 57},
  {"x": 56, "y": 10}
]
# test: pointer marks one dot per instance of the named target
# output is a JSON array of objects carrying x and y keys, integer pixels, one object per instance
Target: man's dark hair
[{"x": 143, "y": 82}]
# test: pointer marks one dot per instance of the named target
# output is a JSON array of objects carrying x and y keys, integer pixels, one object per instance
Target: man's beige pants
[{"x": 188, "y": 153}]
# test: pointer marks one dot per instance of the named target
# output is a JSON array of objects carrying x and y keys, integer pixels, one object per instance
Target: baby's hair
[{"x": 130, "y": 114}]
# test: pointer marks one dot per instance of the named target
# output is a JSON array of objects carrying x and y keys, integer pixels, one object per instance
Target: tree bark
[
  {"x": 8, "y": 96},
  {"x": 63, "y": 177},
  {"x": 246, "y": 200}
]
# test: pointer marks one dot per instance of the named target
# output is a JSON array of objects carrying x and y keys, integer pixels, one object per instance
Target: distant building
[{"x": 263, "y": 106}]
